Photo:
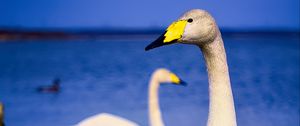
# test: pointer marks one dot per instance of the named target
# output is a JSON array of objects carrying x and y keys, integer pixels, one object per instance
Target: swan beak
[
  {"x": 173, "y": 33},
  {"x": 176, "y": 80},
  {"x": 183, "y": 83}
]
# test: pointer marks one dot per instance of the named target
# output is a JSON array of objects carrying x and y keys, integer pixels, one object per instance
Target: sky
[{"x": 231, "y": 14}]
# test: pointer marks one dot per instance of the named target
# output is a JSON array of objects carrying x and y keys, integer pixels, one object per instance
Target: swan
[
  {"x": 106, "y": 119},
  {"x": 159, "y": 76},
  {"x": 198, "y": 27},
  {"x": 1, "y": 115}
]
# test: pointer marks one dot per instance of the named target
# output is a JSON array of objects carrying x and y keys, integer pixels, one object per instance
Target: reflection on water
[{"x": 111, "y": 77}]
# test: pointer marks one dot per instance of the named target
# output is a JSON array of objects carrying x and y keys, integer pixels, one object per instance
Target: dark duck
[{"x": 54, "y": 88}]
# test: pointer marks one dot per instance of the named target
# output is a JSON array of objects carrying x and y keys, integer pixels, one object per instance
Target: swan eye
[{"x": 190, "y": 20}]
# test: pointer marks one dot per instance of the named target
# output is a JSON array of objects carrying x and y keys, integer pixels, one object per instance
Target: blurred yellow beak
[{"x": 176, "y": 80}]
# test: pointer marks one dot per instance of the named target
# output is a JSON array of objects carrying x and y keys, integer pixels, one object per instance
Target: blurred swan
[
  {"x": 1, "y": 115},
  {"x": 106, "y": 119},
  {"x": 199, "y": 28},
  {"x": 158, "y": 77}
]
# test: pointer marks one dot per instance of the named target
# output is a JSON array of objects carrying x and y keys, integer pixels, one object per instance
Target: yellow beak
[
  {"x": 176, "y": 80},
  {"x": 173, "y": 33}
]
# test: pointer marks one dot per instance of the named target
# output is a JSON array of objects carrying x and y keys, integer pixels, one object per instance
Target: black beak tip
[
  {"x": 183, "y": 83},
  {"x": 157, "y": 43},
  {"x": 148, "y": 48},
  {"x": 154, "y": 45}
]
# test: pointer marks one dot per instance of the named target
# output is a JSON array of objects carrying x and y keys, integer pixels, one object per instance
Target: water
[{"x": 112, "y": 76}]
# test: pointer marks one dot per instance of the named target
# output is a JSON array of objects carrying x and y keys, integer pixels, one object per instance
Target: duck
[{"x": 54, "y": 88}]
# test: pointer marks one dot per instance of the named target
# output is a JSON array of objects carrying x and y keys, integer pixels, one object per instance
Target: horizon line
[{"x": 130, "y": 29}]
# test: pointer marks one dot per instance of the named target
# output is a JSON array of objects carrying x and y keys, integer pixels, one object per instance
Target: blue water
[{"x": 112, "y": 76}]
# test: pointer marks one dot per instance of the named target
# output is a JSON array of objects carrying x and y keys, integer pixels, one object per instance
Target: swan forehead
[
  {"x": 195, "y": 13},
  {"x": 163, "y": 75},
  {"x": 201, "y": 29}
]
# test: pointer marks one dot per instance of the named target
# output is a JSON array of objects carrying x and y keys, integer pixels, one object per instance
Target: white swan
[
  {"x": 158, "y": 77},
  {"x": 199, "y": 28},
  {"x": 106, "y": 119}
]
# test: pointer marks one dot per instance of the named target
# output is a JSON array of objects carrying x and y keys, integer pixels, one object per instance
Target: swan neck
[
  {"x": 221, "y": 106},
  {"x": 154, "y": 110}
]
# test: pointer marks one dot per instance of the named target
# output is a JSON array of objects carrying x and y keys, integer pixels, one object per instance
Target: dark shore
[{"x": 12, "y": 34}]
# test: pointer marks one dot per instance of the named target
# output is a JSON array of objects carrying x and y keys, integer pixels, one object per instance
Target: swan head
[
  {"x": 165, "y": 76},
  {"x": 193, "y": 27}
]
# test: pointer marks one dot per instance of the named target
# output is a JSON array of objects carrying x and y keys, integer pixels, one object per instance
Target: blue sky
[{"x": 233, "y": 14}]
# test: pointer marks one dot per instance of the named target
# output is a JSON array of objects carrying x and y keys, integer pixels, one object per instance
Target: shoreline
[{"x": 46, "y": 34}]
